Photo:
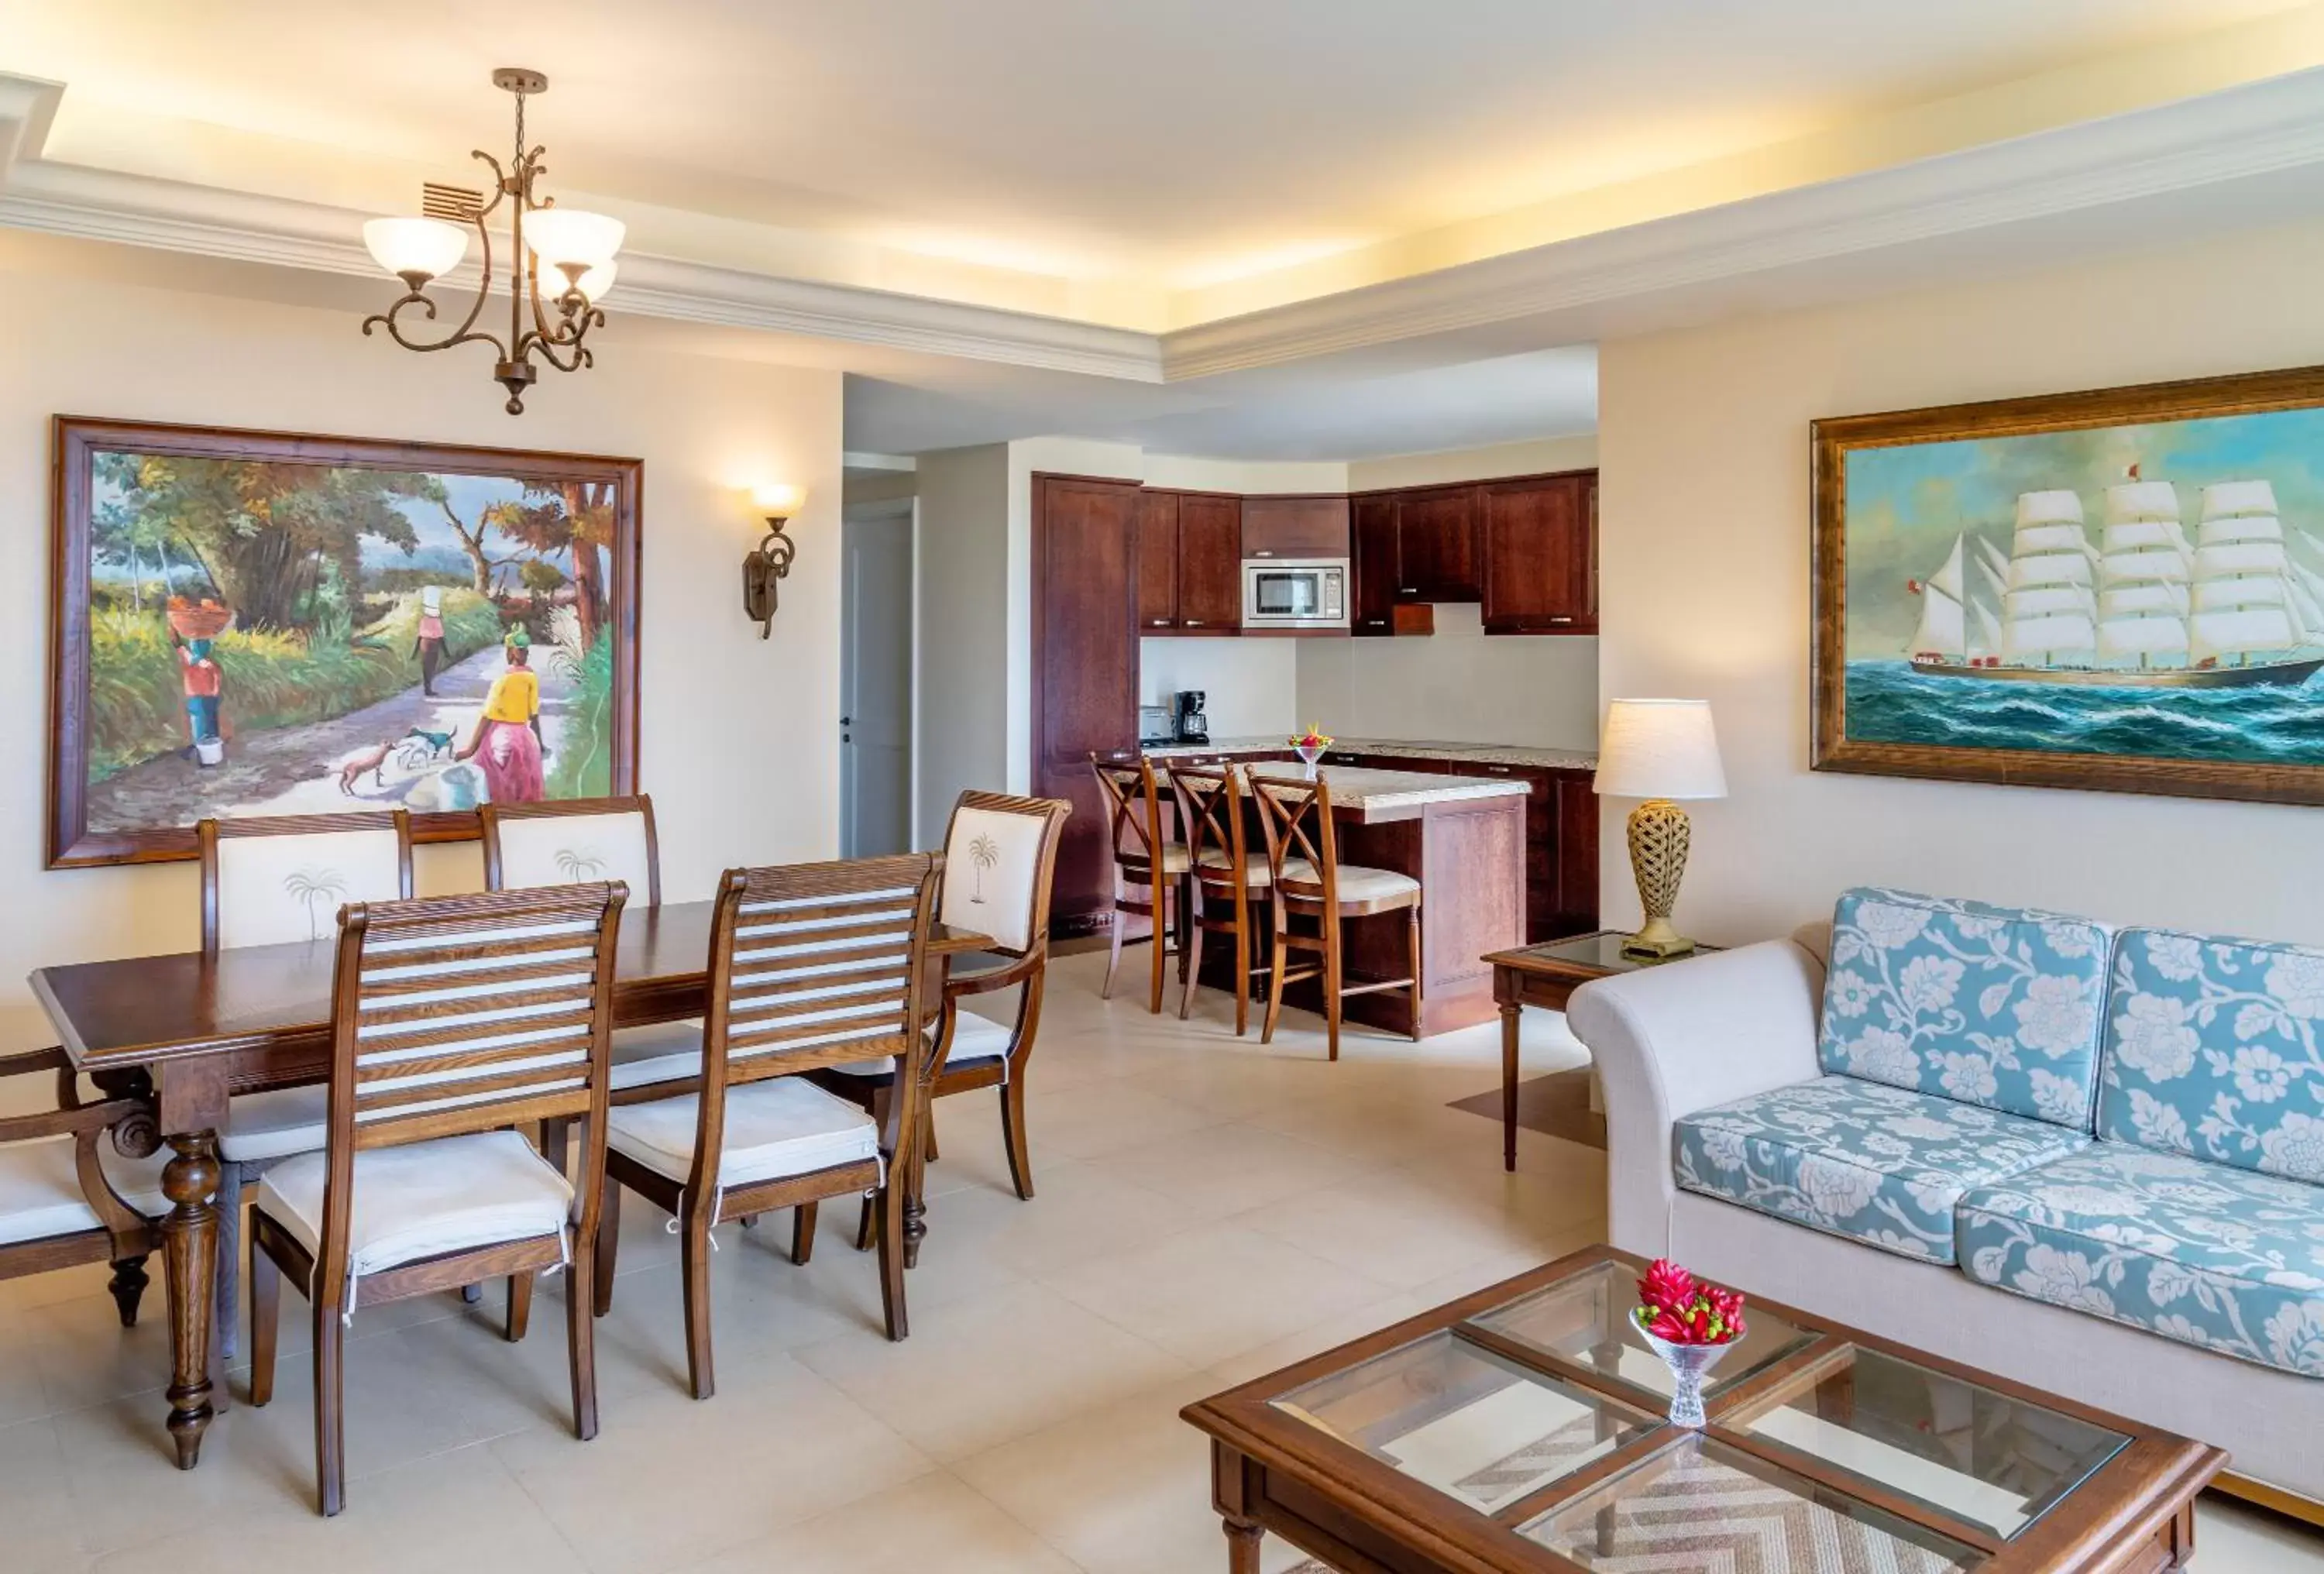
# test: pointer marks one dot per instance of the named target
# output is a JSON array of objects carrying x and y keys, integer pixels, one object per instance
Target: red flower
[{"x": 1666, "y": 1286}]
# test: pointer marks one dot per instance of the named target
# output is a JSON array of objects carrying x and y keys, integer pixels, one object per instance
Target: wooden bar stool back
[
  {"x": 1306, "y": 879},
  {"x": 453, "y": 1019},
  {"x": 1145, "y": 859},
  {"x": 811, "y": 966},
  {"x": 273, "y": 880},
  {"x": 1221, "y": 876}
]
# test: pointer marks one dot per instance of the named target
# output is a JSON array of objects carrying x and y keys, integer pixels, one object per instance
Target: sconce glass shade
[
  {"x": 598, "y": 280},
  {"x": 777, "y": 500},
  {"x": 427, "y": 247},
  {"x": 565, "y": 237}
]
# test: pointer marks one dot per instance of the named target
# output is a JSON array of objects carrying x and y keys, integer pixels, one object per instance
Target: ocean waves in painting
[{"x": 1889, "y": 703}]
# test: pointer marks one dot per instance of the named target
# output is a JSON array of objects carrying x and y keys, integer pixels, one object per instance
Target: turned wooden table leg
[
  {"x": 1510, "y": 1011},
  {"x": 915, "y": 1165},
  {"x": 1243, "y": 1540},
  {"x": 189, "y": 1257}
]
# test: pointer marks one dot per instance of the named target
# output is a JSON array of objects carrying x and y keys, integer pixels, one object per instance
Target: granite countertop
[
  {"x": 1366, "y": 791},
  {"x": 1462, "y": 753}
]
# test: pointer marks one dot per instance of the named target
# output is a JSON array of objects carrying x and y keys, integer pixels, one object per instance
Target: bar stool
[
  {"x": 1296, "y": 817},
  {"x": 1135, "y": 839},
  {"x": 1222, "y": 873}
]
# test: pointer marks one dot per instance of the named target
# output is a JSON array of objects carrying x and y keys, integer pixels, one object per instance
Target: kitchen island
[{"x": 1463, "y": 839}]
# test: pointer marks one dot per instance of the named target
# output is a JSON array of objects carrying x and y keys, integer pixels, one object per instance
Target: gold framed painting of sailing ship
[{"x": 2120, "y": 590}]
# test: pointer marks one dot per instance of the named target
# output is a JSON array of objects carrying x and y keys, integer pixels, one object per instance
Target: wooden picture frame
[
  {"x": 2196, "y": 422},
  {"x": 604, "y": 492}
]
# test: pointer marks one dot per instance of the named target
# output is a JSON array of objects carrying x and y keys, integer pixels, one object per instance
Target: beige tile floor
[{"x": 1209, "y": 1210}]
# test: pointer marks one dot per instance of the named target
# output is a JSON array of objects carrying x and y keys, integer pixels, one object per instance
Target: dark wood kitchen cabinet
[
  {"x": 1437, "y": 545},
  {"x": 1377, "y": 611},
  {"x": 1538, "y": 541},
  {"x": 1086, "y": 583},
  {"x": 1189, "y": 563},
  {"x": 1294, "y": 527}
]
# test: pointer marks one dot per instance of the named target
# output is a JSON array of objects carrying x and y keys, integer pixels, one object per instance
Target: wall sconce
[{"x": 771, "y": 562}]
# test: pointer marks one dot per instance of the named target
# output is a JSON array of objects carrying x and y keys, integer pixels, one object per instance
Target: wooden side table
[{"x": 1547, "y": 975}]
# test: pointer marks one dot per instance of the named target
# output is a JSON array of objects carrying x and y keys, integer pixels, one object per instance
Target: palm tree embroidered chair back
[
  {"x": 1000, "y": 855},
  {"x": 812, "y": 965},
  {"x": 564, "y": 840},
  {"x": 283, "y": 878},
  {"x": 471, "y": 1013}
]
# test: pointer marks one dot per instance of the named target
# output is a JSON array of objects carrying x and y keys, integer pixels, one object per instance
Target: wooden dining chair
[
  {"x": 79, "y": 1183},
  {"x": 1000, "y": 862},
  {"x": 452, "y": 1020},
  {"x": 557, "y": 842},
  {"x": 1221, "y": 877},
  {"x": 281, "y": 881},
  {"x": 1295, "y": 815},
  {"x": 810, "y": 965},
  {"x": 1144, "y": 860}
]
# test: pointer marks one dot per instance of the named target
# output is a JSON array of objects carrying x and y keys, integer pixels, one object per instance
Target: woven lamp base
[{"x": 1659, "y": 836}]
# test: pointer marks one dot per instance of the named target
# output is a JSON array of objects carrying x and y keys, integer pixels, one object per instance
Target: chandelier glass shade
[{"x": 559, "y": 263}]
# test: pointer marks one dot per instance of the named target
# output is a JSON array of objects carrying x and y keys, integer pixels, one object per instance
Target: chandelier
[{"x": 577, "y": 249}]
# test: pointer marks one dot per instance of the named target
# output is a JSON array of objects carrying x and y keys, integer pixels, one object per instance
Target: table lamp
[{"x": 1659, "y": 751}]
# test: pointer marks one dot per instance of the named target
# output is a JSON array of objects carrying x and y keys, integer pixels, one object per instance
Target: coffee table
[{"x": 1522, "y": 1428}]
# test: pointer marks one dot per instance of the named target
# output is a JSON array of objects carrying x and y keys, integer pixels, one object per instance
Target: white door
[{"x": 875, "y": 813}]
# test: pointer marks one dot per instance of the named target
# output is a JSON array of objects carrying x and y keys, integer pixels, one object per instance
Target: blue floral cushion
[
  {"x": 2211, "y": 1049},
  {"x": 2195, "y": 1251},
  {"x": 1874, "y": 1163},
  {"x": 1991, "y": 1006}
]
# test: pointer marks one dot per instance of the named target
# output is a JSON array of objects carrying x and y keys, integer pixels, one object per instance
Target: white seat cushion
[
  {"x": 276, "y": 1124},
  {"x": 1358, "y": 883},
  {"x": 1255, "y": 871},
  {"x": 424, "y": 1199},
  {"x": 973, "y": 1038},
  {"x": 784, "y": 1126},
  {"x": 41, "y": 1194},
  {"x": 656, "y": 1052},
  {"x": 1174, "y": 858}
]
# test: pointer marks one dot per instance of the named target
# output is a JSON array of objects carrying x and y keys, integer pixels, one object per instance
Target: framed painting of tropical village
[
  {"x": 2120, "y": 590},
  {"x": 257, "y": 623}
]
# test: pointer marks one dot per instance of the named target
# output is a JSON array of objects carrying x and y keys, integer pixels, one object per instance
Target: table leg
[
  {"x": 1510, "y": 1011},
  {"x": 915, "y": 1178},
  {"x": 190, "y": 1257},
  {"x": 1243, "y": 1540}
]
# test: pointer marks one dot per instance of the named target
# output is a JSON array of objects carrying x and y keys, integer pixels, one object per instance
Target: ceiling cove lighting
[{"x": 572, "y": 250}]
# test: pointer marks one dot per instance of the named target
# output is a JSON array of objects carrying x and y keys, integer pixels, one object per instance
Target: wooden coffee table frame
[{"x": 1271, "y": 1471}]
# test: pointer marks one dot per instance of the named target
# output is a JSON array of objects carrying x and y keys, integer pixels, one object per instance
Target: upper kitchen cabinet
[
  {"x": 1296, "y": 527},
  {"x": 1437, "y": 545},
  {"x": 1189, "y": 563},
  {"x": 1377, "y": 611},
  {"x": 1538, "y": 541}
]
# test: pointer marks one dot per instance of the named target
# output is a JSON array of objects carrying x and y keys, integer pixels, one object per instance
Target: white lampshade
[
  {"x": 598, "y": 280},
  {"x": 777, "y": 500},
  {"x": 1660, "y": 749},
  {"x": 429, "y": 247},
  {"x": 569, "y": 237}
]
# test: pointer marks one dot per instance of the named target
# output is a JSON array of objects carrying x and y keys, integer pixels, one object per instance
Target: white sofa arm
[{"x": 1668, "y": 1041}]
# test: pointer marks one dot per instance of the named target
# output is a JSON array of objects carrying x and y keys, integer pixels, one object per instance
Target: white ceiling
[{"x": 1178, "y": 143}]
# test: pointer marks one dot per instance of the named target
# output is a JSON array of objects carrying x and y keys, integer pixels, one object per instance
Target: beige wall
[
  {"x": 1705, "y": 532},
  {"x": 1456, "y": 685},
  {"x": 740, "y": 738}
]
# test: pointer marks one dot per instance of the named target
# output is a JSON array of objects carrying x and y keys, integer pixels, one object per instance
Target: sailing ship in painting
[{"x": 2144, "y": 607}]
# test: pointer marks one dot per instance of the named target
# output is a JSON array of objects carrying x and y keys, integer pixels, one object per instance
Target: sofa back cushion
[
  {"x": 2212, "y": 1048},
  {"x": 1991, "y": 1006}
]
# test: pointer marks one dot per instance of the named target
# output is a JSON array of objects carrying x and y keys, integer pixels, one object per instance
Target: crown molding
[
  {"x": 92, "y": 204},
  {"x": 2263, "y": 129},
  {"x": 1665, "y": 266}
]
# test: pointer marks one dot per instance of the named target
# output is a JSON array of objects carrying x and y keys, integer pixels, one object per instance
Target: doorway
[{"x": 877, "y": 614}]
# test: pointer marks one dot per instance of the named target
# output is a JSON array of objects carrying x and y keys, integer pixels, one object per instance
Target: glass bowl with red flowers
[
  {"x": 1310, "y": 745},
  {"x": 1690, "y": 1324}
]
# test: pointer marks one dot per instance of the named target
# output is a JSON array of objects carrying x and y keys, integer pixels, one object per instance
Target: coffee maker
[{"x": 1189, "y": 724}]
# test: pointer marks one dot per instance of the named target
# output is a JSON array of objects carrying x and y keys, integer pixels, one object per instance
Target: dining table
[{"x": 191, "y": 1029}]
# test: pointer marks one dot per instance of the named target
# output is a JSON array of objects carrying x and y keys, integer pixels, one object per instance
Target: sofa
[{"x": 2087, "y": 1158}]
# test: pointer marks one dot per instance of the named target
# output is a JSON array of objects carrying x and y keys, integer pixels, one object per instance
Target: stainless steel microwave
[{"x": 1277, "y": 593}]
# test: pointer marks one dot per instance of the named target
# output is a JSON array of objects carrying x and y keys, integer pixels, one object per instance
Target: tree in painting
[{"x": 271, "y": 638}]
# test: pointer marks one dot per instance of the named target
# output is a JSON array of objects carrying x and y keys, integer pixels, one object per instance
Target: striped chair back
[
  {"x": 815, "y": 964},
  {"x": 472, "y": 1013}
]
